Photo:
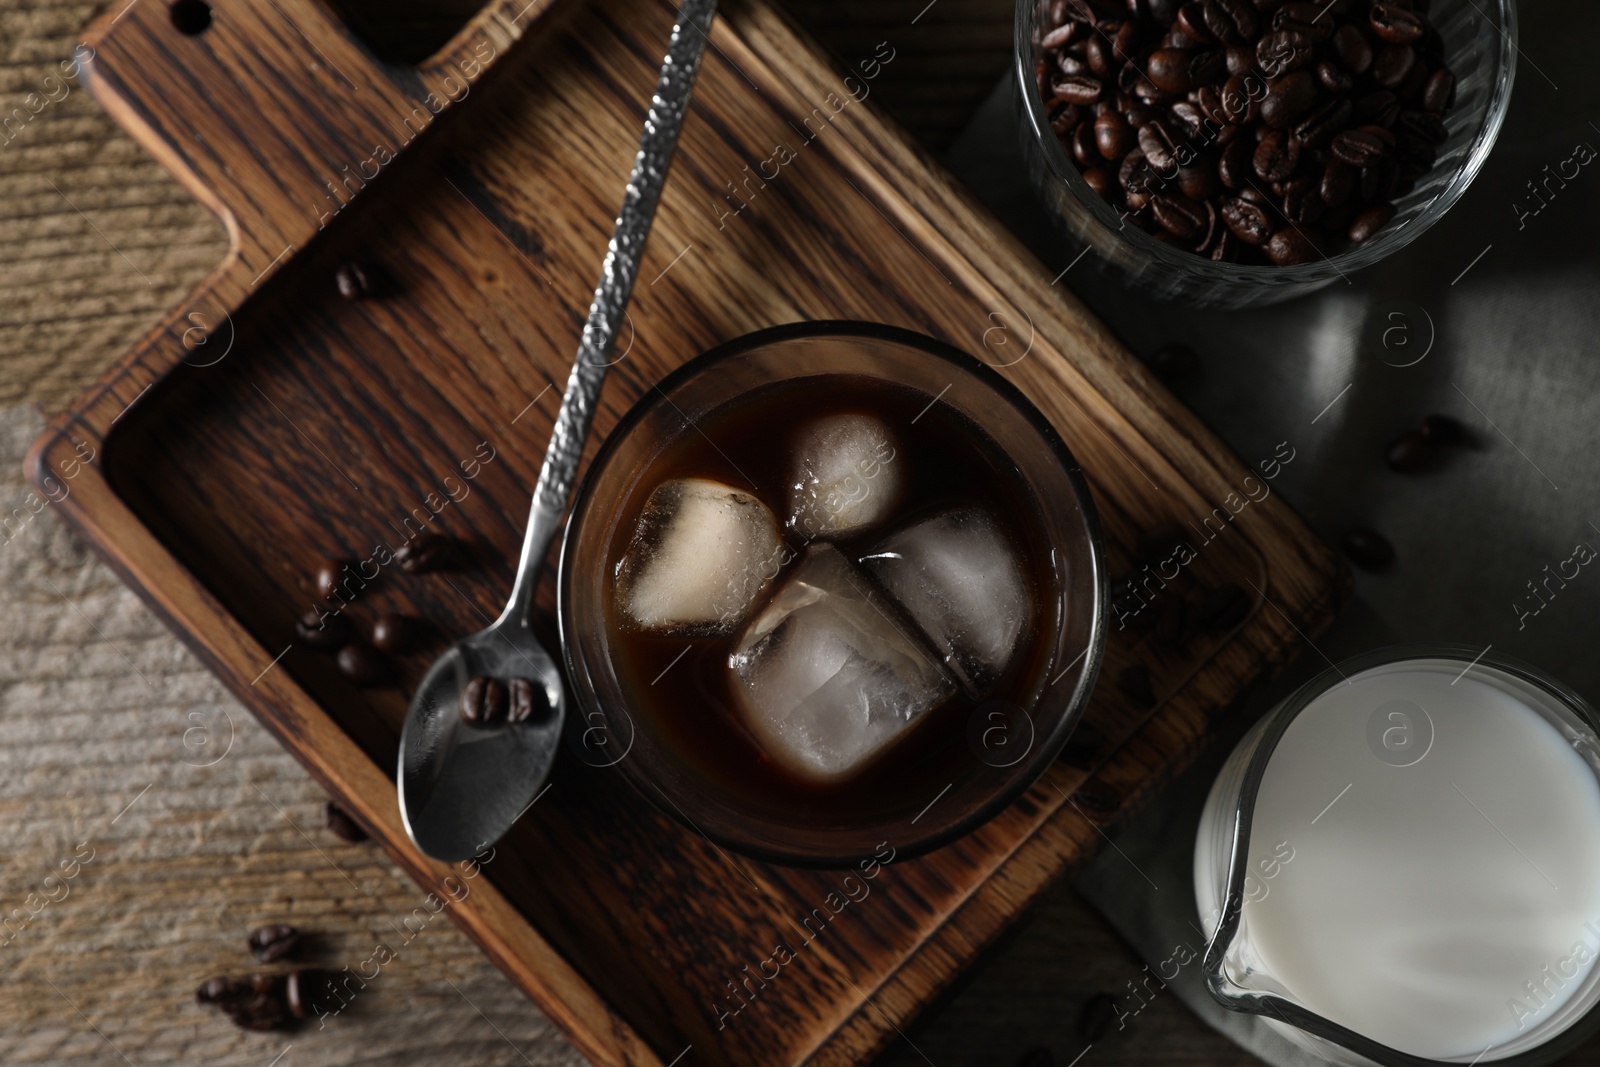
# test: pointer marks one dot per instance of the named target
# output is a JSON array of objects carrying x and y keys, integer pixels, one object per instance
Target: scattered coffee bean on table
[
  {"x": 273, "y": 942},
  {"x": 341, "y": 825},
  {"x": 219, "y": 991},
  {"x": 395, "y": 633},
  {"x": 363, "y": 664},
  {"x": 1367, "y": 549},
  {"x": 308, "y": 992},
  {"x": 1444, "y": 430},
  {"x": 327, "y": 578},
  {"x": 318, "y": 630},
  {"x": 1252, "y": 132},
  {"x": 484, "y": 701},
  {"x": 1410, "y": 453},
  {"x": 354, "y": 281},
  {"x": 264, "y": 1006},
  {"x": 425, "y": 552}
]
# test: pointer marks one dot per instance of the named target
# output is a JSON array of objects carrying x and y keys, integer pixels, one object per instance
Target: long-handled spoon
[{"x": 462, "y": 787}]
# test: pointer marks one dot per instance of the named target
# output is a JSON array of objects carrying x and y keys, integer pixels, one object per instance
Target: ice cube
[
  {"x": 827, "y": 675},
  {"x": 846, "y": 476},
  {"x": 960, "y": 579},
  {"x": 702, "y": 555}
]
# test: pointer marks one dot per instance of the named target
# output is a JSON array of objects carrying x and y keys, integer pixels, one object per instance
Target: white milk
[{"x": 1425, "y": 873}]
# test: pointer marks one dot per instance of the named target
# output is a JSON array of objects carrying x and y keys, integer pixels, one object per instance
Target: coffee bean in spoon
[
  {"x": 1367, "y": 549},
  {"x": 395, "y": 633},
  {"x": 427, "y": 551},
  {"x": 1410, "y": 453},
  {"x": 341, "y": 825},
  {"x": 523, "y": 700},
  {"x": 362, "y": 664},
  {"x": 273, "y": 942},
  {"x": 484, "y": 701}
]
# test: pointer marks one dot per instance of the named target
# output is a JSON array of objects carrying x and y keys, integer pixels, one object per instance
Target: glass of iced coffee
[{"x": 831, "y": 587}]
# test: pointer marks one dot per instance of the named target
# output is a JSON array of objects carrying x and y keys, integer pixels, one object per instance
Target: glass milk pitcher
[{"x": 1401, "y": 864}]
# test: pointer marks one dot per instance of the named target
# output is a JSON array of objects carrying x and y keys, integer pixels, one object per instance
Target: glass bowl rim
[
  {"x": 1386, "y": 242},
  {"x": 1030, "y": 770},
  {"x": 1276, "y": 724}
]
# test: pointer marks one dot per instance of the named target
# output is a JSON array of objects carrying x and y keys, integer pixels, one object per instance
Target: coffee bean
[
  {"x": 329, "y": 573},
  {"x": 427, "y": 551},
  {"x": 1062, "y": 35},
  {"x": 1288, "y": 98},
  {"x": 1395, "y": 24},
  {"x": 341, "y": 825},
  {"x": 1230, "y": 21},
  {"x": 1367, "y": 549},
  {"x": 1338, "y": 183},
  {"x": 1289, "y": 247},
  {"x": 1134, "y": 683},
  {"x": 308, "y": 992},
  {"x": 1099, "y": 179},
  {"x": 1353, "y": 49},
  {"x": 1113, "y": 136},
  {"x": 1191, "y": 23},
  {"x": 1236, "y": 164},
  {"x": 1410, "y": 453},
  {"x": 1178, "y": 215},
  {"x": 1359, "y": 147},
  {"x": 1138, "y": 177},
  {"x": 1302, "y": 206},
  {"x": 1172, "y": 362},
  {"x": 1096, "y": 1016},
  {"x": 524, "y": 700},
  {"x": 1277, "y": 155},
  {"x": 484, "y": 701},
  {"x": 1443, "y": 430},
  {"x": 1282, "y": 52},
  {"x": 1318, "y": 129},
  {"x": 219, "y": 991},
  {"x": 1248, "y": 221},
  {"x": 273, "y": 942},
  {"x": 265, "y": 1008},
  {"x": 1393, "y": 65},
  {"x": 394, "y": 633},
  {"x": 1439, "y": 91},
  {"x": 353, "y": 281},
  {"x": 1370, "y": 221},
  {"x": 1381, "y": 181},
  {"x": 1078, "y": 89},
  {"x": 1224, "y": 607},
  {"x": 1168, "y": 68},
  {"x": 1064, "y": 118},
  {"x": 362, "y": 664},
  {"x": 1334, "y": 78},
  {"x": 1241, "y": 59},
  {"x": 320, "y": 629}
]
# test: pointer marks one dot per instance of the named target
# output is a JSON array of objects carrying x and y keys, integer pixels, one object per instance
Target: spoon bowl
[{"x": 463, "y": 786}]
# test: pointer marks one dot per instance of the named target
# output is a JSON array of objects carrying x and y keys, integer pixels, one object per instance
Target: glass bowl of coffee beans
[{"x": 1229, "y": 153}]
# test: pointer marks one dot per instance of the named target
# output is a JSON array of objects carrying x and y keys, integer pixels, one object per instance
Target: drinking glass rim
[
  {"x": 1387, "y": 241},
  {"x": 1232, "y": 909},
  {"x": 1042, "y": 757}
]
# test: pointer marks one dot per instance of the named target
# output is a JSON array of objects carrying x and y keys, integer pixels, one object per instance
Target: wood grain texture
[{"x": 327, "y": 423}]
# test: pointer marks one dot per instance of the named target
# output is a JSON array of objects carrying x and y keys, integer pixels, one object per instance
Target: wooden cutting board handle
[{"x": 273, "y": 114}]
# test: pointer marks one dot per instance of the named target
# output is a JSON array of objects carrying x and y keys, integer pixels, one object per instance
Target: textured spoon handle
[{"x": 617, "y": 274}]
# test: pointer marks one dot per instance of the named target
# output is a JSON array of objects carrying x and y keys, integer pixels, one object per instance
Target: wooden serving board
[{"x": 266, "y": 423}]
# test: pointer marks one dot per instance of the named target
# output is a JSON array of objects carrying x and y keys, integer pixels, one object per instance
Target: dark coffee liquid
[{"x": 688, "y": 704}]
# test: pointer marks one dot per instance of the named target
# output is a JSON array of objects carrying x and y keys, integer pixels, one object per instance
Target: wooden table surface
[{"x": 115, "y": 744}]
